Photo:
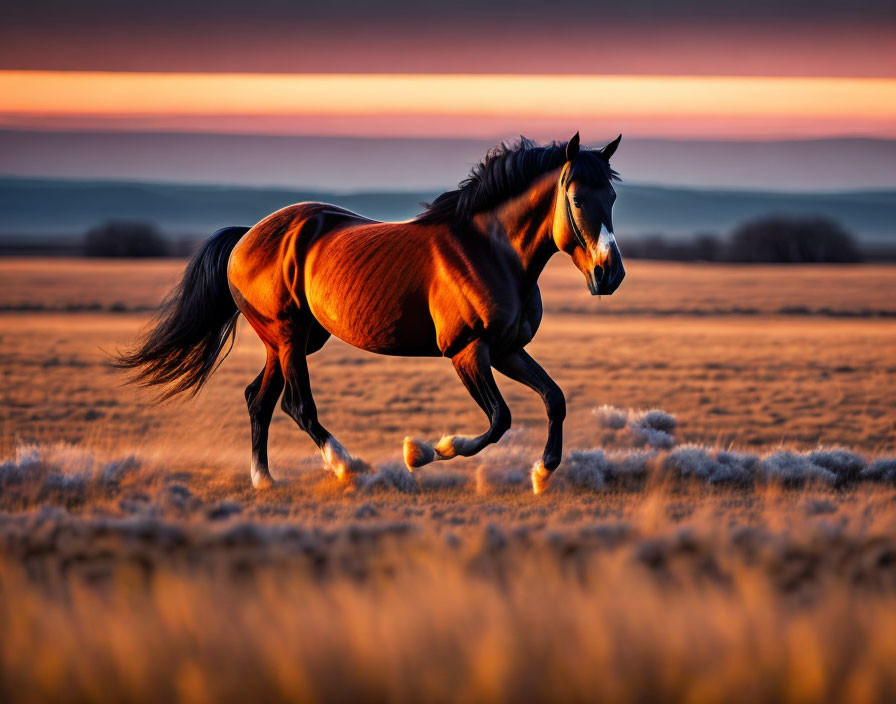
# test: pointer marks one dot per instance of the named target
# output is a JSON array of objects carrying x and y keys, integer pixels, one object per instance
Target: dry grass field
[{"x": 724, "y": 550}]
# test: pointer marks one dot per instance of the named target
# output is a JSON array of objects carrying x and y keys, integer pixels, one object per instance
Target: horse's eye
[{"x": 577, "y": 202}]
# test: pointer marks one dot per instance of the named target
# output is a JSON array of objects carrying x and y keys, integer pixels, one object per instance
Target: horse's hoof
[
  {"x": 540, "y": 478},
  {"x": 343, "y": 472},
  {"x": 337, "y": 458},
  {"x": 262, "y": 480},
  {"x": 417, "y": 453}
]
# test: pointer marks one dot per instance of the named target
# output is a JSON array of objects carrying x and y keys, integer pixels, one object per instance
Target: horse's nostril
[{"x": 594, "y": 278}]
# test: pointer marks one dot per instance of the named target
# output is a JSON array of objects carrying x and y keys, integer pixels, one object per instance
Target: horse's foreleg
[
  {"x": 522, "y": 368},
  {"x": 298, "y": 403},
  {"x": 474, "y": 369},
  {"x": 261, "y": 398}
]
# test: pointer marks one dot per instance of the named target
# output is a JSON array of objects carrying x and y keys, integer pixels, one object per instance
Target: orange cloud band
[{"x": 836, "y": 105}]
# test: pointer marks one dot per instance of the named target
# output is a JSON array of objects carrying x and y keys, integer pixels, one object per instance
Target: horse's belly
[{"x": 377, "y": 316}]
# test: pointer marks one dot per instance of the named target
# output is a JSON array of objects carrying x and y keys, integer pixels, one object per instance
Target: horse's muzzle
[{"x": 603, "y": 280}]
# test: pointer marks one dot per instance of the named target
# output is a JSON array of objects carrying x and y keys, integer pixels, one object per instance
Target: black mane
[{"x": 508, "y": 170}]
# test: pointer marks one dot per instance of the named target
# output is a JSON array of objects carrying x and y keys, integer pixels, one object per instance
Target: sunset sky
[
  {"x": 454, "y": 104},
  {"x": 700, "y": 69}
]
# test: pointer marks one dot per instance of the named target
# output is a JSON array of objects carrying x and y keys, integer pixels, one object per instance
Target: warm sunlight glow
[{"x": 451, "y": 104}]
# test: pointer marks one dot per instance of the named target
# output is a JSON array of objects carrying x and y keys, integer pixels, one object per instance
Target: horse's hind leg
[
  {"x": 474, "y": 369},
  {"x": 298, "y": 403},
  {"x": 261, "y": 398}
]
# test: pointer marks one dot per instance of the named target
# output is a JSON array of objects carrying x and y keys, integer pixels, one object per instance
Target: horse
[{"x": 460, "y": 281}]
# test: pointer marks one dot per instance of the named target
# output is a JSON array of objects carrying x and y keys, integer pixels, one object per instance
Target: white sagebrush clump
[
  {"x": 794, "y": 469},
  {"x": 389, "y": 475},
  {"x": 735, "y": 467},
  {"x": 881, "y": 470},
  {"x": 845, "y": 464},
  {"x": 594, "y": 469},
  {"x": 653, "y": 428},
  {"x": 655, "y": 419},
  {"x": 63, "y": 466},
  {"x": 610, "y": 417},
  {"x": 14, "y": 471},
  {"x": 832, "y": 466},
  {"x": 585, "y": 469},
  {"x": 507, "y": 468},
  {"x": 691, "y": 461},
  {"x": 630, "y": 466},
  {"x": 712, "y": 465}
]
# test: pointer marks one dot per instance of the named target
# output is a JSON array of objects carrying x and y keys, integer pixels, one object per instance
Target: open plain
[{"x": 739, "y": 545}]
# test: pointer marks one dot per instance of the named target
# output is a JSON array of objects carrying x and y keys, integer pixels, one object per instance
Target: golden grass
[
  {"x": 147, "y": 586},
  {"x": 442, "y": 636},
  {"x": 136, "y": 562}
]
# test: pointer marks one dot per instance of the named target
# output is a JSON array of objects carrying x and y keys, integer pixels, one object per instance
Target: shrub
[
  {"x": 126, "y": 239},
  {"x": 793, "y": 239}
]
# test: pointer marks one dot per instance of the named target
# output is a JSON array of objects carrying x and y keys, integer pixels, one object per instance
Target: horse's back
[{"x": 294, "y": 225}]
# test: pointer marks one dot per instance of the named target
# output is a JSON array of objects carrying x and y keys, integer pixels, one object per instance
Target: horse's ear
[
  {"x": 572, "y": 147},
  {"x": 610, "y": 149}
]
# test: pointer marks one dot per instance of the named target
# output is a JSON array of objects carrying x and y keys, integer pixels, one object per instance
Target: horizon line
[{"x": 425, "y": 191}]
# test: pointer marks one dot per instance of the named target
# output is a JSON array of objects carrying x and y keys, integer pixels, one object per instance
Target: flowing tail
[{"x": 181, "y": 348}]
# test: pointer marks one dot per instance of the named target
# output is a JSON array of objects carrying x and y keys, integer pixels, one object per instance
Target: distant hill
[
  {"x": 871, "y": 215},
  {"x": 36, "y": 209},
  {"x": 343, "y": 164},
  {"x": 59, "y": 208}
]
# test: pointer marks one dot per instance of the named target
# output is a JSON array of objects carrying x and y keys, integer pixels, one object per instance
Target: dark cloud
[
  {"x": 413, "y": 11},
  {"x": 697, "y": 36}
]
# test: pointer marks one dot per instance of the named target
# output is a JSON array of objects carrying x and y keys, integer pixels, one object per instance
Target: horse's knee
[{"x": 500, "y": 424}]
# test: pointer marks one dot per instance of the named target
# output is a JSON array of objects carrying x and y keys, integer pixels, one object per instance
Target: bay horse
[{"x": 459, "y": 281}]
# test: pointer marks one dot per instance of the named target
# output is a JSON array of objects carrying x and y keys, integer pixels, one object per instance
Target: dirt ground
[{"x": 752, "y": 380}]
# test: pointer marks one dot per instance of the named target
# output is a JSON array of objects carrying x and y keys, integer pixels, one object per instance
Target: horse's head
[{"x": 583, "y": 219}]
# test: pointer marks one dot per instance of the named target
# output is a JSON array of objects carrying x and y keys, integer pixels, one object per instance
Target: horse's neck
[{"x": 528, "y": 222}]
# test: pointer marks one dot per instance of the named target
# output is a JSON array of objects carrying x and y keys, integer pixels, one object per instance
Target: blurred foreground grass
[{"x": 136, "y": 583}]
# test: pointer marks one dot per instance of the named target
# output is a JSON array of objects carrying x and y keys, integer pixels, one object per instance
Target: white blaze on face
[
  {"x": 605, "y": 240},
  {"x": 600, "y": 252}
]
